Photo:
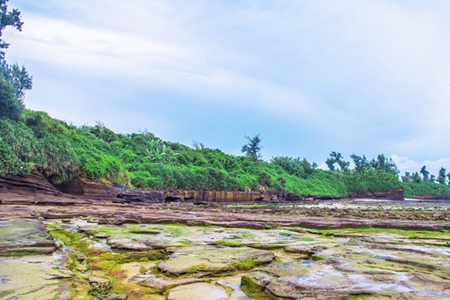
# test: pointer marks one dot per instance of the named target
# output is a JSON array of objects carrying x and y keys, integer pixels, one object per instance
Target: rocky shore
[
  {"x": 35, "y": 189},
  {"x": 177, "y": 255},
  {"x": 106, "y": 242}
]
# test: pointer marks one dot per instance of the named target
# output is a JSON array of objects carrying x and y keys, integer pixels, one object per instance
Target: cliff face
[
  {"x": 35, "y": 189},
  {"x": 396, "y": 194}
]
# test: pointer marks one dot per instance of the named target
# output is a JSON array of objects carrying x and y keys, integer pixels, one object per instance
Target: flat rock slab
[
  {"x": 329, "y": 283},
  {"x": 160, "y": 285},
  {"x": 29, "y": 277},
  {"x": 212, "y": 259},
  {"x": 25, "y": 235},
  {"x": 233, "y": 284},
  {"x": 198, "y": 291}
]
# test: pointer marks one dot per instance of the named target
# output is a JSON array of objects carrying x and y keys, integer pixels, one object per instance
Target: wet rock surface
[
  {"x": 200, "y": 291},
  {"x": 134, "y": 252},
  {"x": 25, "y": 235},
  {"x": 27, "y": 268},
  {"x": 211, "y": 259}
]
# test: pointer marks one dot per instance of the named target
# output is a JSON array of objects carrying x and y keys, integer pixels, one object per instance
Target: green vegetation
[
  {"x": 253, "y": 290},
  {"x": 6, "y": 293},
  {"x": 244, "y": 265},
  {"x": 198, "y": 268},
  {"x": 424, "y": 188},
  {"x": 427, "y": 185},
  {"x": 61, "y": 151},
  {"x": 360, "y": 296},
  {"x": 85, "y": 261},
  {"x": 14, "y": 80},
  {"x": 412, "y": 234}
]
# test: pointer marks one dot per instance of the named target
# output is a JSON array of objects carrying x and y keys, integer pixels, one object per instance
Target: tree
[
  {"x": 385, "y": 164},
  {"x": 197, "y": 145},
  {"x": 424, "y": 173},
  {"x": 253, "y": 147},
  {"x": 336, "y": 157},
  {"x": 295, "y": 166},
  {"x": 10, "y": 106},
  {"x": 330, "y": 163},
  {"x": 8, "y": 18},
  {"x": 441, "y": 176},
  {"x": 432, "y": 178},
  {"x": 407, "y": 177},
  {"x": 13, "y": 79},
  {"x": 361, "y": 163},
  {"x": 18, "y": 77},
  {"x": 416, "y": 177}
]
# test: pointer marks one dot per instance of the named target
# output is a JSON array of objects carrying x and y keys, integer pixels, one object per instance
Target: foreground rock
[
  {"x": 212, "y": 260},
  {"x": 198, "y": 291},
  {"x": 31, "y": 277},
  {"x": 35, "y": 275},
  {"x": 24, "y": 236}
]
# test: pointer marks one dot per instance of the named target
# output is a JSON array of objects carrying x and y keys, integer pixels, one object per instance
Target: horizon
[{"x": 310, "y": 78}]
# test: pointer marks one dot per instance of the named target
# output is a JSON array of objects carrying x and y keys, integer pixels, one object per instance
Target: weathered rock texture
[
  {"x": 396, "y": 194},
  {"x": 35, "y": 189}
]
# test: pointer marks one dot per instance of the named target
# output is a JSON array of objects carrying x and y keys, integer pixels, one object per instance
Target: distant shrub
[{"x": 424, "y": 188}]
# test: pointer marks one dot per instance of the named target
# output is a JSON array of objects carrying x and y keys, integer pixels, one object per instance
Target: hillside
[{"x": 141, "y": 160}]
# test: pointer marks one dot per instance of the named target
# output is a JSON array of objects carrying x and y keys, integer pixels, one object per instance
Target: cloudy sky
[{"x": 311, "y": 77}]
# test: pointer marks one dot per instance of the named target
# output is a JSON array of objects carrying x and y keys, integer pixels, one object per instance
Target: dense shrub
[
  {"x": 62, "y": 163},
  {"x": 373, "y": 180},
  {"x": 61, "y": 151},
  {"x": 424, "y": 188}
]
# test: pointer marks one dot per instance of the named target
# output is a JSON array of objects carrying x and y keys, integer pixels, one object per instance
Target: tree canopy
[
  {"x": 253, "y": 147},
  {"x": 14, "y": 80},
  {"x": 8, "y": 18}
]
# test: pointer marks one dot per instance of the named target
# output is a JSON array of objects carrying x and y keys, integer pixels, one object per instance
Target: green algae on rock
[{"x": 213, "y": 259}]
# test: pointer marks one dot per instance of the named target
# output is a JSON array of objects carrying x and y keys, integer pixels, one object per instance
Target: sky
[{"x": 311, "y": 77}]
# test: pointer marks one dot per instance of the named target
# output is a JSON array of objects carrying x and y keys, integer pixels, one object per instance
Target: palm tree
[
  {"x": 424, "y": 173},
  {"x": 253, "y": 147}
]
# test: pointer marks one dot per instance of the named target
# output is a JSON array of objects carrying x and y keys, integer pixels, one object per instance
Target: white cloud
[
  {"x": 405, "y": 164},
  {"x": 359, "y": 75}
]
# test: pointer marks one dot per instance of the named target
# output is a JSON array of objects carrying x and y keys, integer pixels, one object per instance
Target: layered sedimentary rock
[
  {"x": 396, "y": 194},
  {"x": 35, "y": 189}
]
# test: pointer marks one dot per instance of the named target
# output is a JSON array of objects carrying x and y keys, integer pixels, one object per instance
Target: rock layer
[{"x": 35, "y": 189}]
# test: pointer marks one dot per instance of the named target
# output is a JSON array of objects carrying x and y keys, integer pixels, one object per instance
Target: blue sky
[{"x": 311, "y": 77}]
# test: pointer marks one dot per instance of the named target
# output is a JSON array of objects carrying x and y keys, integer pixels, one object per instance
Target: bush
[
  {"x": 62, "y": 163},
  {"x": 372, "y": 179},
  {"x": 10, "y": 164},
  {"x": 423, "y": 188},
  {"x": 10, "y": 106}
]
